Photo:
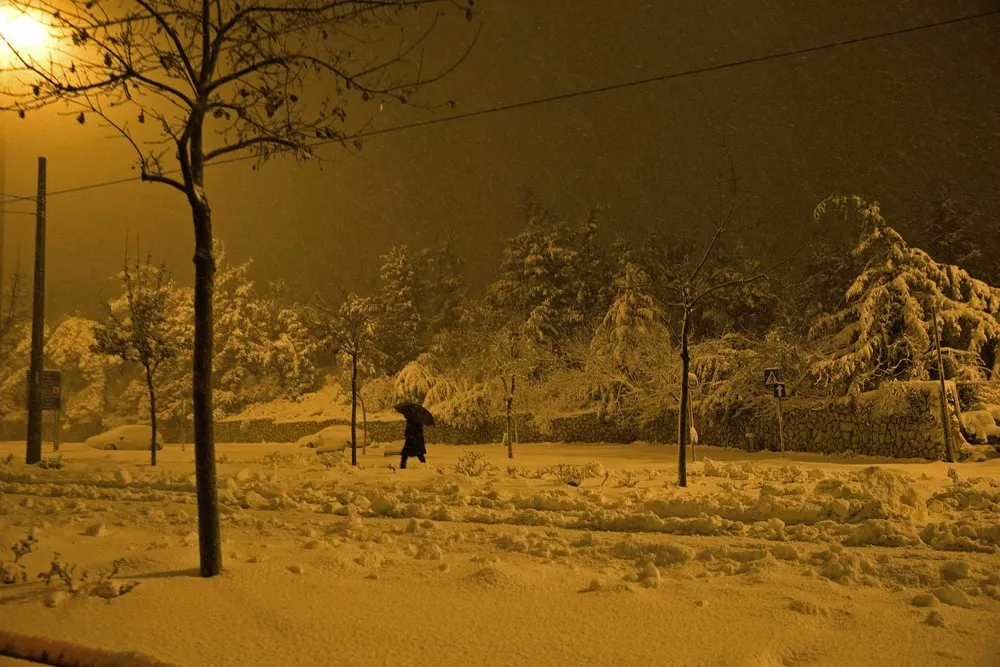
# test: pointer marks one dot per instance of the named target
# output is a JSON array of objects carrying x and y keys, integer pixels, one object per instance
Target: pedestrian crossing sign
[{"x": 772, "y": 376}]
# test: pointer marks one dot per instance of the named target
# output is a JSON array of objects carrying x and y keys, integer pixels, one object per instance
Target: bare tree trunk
[
  {"x": 682, "y": 436},
  {"x": 152, "y": 415},
  {"x": 509, "y": 406},
  {"x": 354, "y": 409},
  {"x": 209, "y": 535}
]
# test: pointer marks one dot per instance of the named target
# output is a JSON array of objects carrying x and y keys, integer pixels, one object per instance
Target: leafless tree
[
  {"x": 188, "y": 83},
  {"x": 694, "y": 289},
  {"x": 138, "y": 327},
  {"x": 350, "y": 331}
]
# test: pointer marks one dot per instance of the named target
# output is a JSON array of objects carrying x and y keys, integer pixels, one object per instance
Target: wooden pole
[
  {"x": 949, "y": 451},
  {"x": 34, "y": 439}
]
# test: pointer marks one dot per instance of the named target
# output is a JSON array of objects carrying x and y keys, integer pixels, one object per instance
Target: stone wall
[{"x": 901, "y": 421}]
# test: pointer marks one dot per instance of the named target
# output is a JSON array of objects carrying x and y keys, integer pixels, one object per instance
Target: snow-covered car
[
  {"x": 125, "y": 437},
  {"x": 331, "y": 439}
]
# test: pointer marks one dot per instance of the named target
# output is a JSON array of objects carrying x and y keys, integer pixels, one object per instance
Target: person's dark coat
[{"x": 413, "y": 440}]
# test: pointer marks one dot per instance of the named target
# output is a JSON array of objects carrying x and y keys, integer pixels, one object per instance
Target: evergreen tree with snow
[
  {"x": 397, "y": 301},
  {"x": 441, "y": 290},
  {"x": 264, "y": 350},
  {"x": 552, "y": 279},
  {"x": 619, "y": 362},
  {"x": 241, "y": 323},
  {"x": 594, "y": 272},
  {"x": 949, "y": 233},
  {"x": 885, "y": 331}
]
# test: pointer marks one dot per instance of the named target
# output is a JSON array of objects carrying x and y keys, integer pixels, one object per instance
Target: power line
[{"x": 579, "y": 93}]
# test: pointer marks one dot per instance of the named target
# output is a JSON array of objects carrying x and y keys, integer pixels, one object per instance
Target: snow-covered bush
[
  {"x": 13, "y": 572},
  {"x": 471, "y": 408},
  {"x": 471, "y": 464},
  {"x": 415, "y": 380}
]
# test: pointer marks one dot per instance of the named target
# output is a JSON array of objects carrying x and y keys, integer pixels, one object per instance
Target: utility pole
[{"x": 34, "y": 444}]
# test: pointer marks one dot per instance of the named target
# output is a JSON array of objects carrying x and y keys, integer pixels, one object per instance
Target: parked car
[
  {"x": 125, "y": 437},
  {"x": 331, "y": 439}
]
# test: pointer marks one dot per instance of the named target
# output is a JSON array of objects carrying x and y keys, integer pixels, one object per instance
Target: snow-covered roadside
[{"x": 755, "y": 564}]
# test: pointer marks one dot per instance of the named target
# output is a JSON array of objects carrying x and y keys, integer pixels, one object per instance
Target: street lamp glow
[{"x": 20, "y": 31}]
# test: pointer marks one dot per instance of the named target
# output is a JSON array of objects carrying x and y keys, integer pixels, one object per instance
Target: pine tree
[
  {"x": 264, "y": 350},
  {"x": 619, "y": 362},
  {"x": 399, "y": 320},
  {"x": 441, "y": 290},
  {"x": 884, "y": 332},
  {"x": 241, "y": 333},
  {"x": 593, "y": 273},
  {"x": 949, "y": 235},
  {"x": 537, "y": 281}
]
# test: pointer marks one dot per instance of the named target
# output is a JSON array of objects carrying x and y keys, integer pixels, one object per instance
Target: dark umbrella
[{"x": 414, "y": 412}]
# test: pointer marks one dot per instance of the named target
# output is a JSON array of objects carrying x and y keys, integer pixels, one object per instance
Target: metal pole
[
  {"x": 781, "y": 427},
  {"x": 34, "y": 444},
  {"x": 949, "y": 451},
  {"x": 58, "y": 427}
]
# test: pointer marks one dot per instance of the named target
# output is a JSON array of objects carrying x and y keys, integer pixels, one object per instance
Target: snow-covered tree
[
  {"x": 86, "y": 373},
  {"x": 552, "y": 279},
  {"x": 174, "y": 390},
  {"x": 415, "y": 380},
  {"x": 137, "y": 328},
  {"x": 264, "y": 350},
  {"x": 621, "y": 374},
  {"x": 350, "y": 331},
  {"x": 885, "y": 331},
  {"x": 594, "y": 270},
  {"x": 15, "y": 329},
  {"x": 400, "y": 324},
  {"x": 440, "y": 292},
  {"x": 949, "y": 234}
]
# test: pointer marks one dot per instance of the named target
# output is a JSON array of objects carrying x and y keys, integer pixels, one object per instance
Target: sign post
[
  {"x": 779, "y": 395},
  {"x": 772, "y": 380},
  {"x": 50, "y": 388}
]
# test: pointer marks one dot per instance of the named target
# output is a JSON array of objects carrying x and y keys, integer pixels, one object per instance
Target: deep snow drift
[{"x": 566, "y": 555}]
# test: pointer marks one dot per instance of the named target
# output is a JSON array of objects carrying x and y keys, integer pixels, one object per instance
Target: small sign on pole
[
  {"x": 779, "y": 390},
  {"x": 772, "y": 376},
  {"x": 50, "y": 383}
]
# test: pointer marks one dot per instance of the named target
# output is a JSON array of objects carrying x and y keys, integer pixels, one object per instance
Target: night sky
[{"x": 892, "y": 120}]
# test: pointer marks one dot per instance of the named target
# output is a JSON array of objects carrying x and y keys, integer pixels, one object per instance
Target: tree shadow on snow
[{"x": 192, "y": 572}]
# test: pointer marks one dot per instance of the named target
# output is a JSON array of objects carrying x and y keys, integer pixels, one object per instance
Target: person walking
[{"x": 413, "y": 443}]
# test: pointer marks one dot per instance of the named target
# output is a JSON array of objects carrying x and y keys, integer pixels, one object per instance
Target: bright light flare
[{"x": 21, "y": 31}]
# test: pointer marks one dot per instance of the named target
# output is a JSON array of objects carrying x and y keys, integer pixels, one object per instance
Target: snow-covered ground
[{"x": 602, "y": 560}]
